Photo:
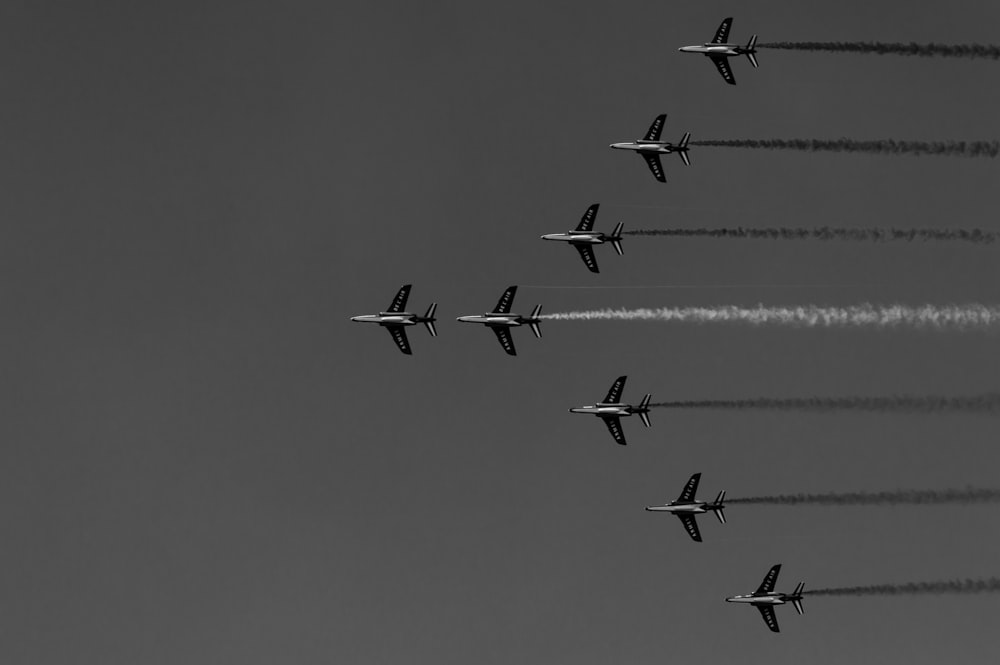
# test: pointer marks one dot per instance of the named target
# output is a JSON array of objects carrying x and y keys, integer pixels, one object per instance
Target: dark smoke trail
[
  {"x": 977, "y": 236},
  {"x": 893, "y": 498},
  {"x": 878, "y": 146},
  {"x": 894, "y": 48},
  {"x": 985, "y": 403},
  {"x": 991, "y": 585}
]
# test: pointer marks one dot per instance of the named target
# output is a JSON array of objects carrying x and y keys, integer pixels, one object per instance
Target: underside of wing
[
  {"x": 615, "y": 392},
  {"x": 691, "y": 526},
  {"x": 767, "y": 612},
  {"x": 399, "y": 336},
  {"x": 615, "y": 427},
  {"x": 653, "y": 160},
  {"x": 722, "y": 64},
  {"x": 506, "y": 340},
  {"x": 656, "y": 128},
  {"x": 587, "y": 254},
  {"x": 767, "y": 586},
  {"x": 399, "y": 302},
  {"x": 587, "y": 221},
  {"x": 722, "y": 34},
  {"x": 506, "y": 300},
  {"x": 690, "y": 489}
]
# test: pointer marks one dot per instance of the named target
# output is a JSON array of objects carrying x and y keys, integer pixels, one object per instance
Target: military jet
[
  {"x": 500, "y": 320},
  {"x": 765, "y": 598},
  {"x": 395, "y": 320},
  {"x": 719, "y": 50},
  {"x": 651, "y": 147},
  {"x": 686, "y": 507},
  {"x": 584, "y": 238},
  {"x": 611, "y": 410}
]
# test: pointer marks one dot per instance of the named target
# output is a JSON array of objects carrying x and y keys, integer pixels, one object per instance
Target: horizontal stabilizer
[
  {"x": 644, "y": 410},
  {"x": 534, "y": 323},
  {"x": 722, "y": 497},
  {"x": 798, "y": 605},
  {"x": 720, "y": 513},
  {"x": 683, "y": 149},
  {"x": 428, "y": 319},
  {"x": 616, "y": 238},
  {"x": 753, "y": 59},
  {"x": 798, "y": 589}
]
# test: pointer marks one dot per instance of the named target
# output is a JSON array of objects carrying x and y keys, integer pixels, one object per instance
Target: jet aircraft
[
  {"x": 686, "y": 507},
  {"x": 719, "y": 50},
  {"x": 500, "y": 320},
  {"x": 611, "y": 410},
  {"x": 584, "y": 238},
  {"x": 395, "y": 320},
  {"x": 651, "y": 147},
  {"x": 765, "y": 598}
]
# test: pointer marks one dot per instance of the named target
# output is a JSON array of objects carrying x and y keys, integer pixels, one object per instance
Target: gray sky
[{"x": 205, "y": 461}]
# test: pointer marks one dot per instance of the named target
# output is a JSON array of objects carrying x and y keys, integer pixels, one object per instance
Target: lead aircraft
[
  {"x": 611, "y": 410},
  {"x": 395, "y": 319},
  {"x": 765, "y": 598},
  {"x": 651, "y": 147},
  {"x": 583, "y": 237},
  {"x": 686, "y": 507},
  {"x": 719, "y": 51},
  {"x": 500, "y": 320}
]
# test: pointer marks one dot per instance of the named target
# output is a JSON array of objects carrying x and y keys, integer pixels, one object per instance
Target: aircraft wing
[
  {"x": 656, "y": 128},
  {"x": 506, "y": 340},
  {"x": 615, "y": 393},
  {"x": 614, "y": 424},
  {"x": 653, "y": 160},
  {"x": 399, "y": 302},
  {"x": 767, "y": 612},
  {"x": 722, "y": 64},
  {"x": 687, "y": 494},
  {"x": 399, "y": 336},
  {"x": 587, "y": 254},
  {"x": 767, "y": 586},
  {"x": 691, "y": 526},
  {"x": 587, "y": 222},
  {"x": 722, "y": 34},
  {"x": 506, "y": 300}
]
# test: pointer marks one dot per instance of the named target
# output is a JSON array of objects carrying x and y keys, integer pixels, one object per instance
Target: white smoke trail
[{"x": 866, "y": 315}]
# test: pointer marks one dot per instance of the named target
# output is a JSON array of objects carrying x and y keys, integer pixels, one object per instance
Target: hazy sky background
[{"x": 205, "y": 461}]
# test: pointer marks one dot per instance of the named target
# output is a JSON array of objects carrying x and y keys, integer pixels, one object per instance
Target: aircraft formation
[{"x": 502, "y": 320}]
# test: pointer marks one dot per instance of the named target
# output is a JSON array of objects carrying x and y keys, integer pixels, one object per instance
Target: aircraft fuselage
[
  {"x": 388, "y": 318},
  {"x": 604, "y": 410},
  {"x": 693, "y": 508},
  {"x": 715, "y": 49},
  {"x": 773, "y": 598},
  {"x": 654, "y": 147},
  {"x": 495, "y": 320},
  {"x": 577, "y": 237}
]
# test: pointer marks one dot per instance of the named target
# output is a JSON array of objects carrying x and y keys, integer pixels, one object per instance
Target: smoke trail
[
  {"x": 990, "y": 585},
  {"x": 977, "y": 236},
  {"x": 894, "y": 48},
  {"x": 893, "y": 498},
  {"x": 866, "y": 315},
  {"x": 879, "y": 146},
  {"x": 983, "y": 403}
]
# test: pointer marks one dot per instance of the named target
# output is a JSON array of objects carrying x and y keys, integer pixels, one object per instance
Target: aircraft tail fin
[
  {"x": 718, "y": 508},
  {"x": 644, "y": 410},
  {"x": 535, "y": 323},
  {"x": 428, "y": 319},
  {"x": 683, "y": 149},
  {"x": 797, "y": 597},
  {"x": 751, "y": 50},
  {"x": 616, "y": 238}
]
